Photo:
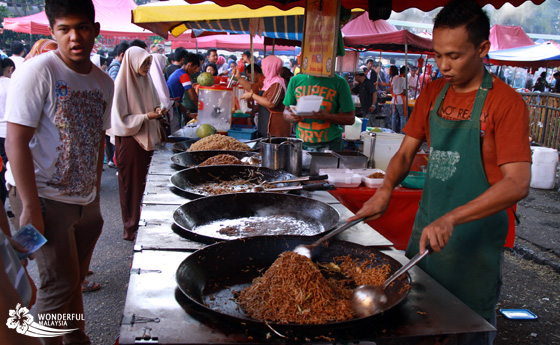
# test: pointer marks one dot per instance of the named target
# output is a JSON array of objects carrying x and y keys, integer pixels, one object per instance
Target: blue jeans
[{"x": 398, "y": 119}]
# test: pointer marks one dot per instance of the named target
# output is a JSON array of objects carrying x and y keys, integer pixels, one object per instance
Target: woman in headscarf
[
  {"x": 135, "y": 123},
  {"x": 221, "y": 64},
  {"x": 157, "y": 70},
  {"x": 270, "y": 118},
  {"x": 41, "y": 46}
]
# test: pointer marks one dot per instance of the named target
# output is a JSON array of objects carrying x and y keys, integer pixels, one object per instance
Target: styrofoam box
[
  {"x": 369, "y": 182},
  {"x": 345, "y": 180},
  {"x": 334, "y": 171}
]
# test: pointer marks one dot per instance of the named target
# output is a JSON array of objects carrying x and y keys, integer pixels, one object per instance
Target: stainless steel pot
[{"x": 282, "y": 154}]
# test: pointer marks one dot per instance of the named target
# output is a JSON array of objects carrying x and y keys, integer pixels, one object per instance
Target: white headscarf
[
  {"x": 156, "y": 72},
  {"x": 135, "y": 96}
]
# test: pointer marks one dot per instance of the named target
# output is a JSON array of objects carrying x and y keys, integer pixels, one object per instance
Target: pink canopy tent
[
  {"x": 113, "y": 15},
  {"x": 227, "y": 42},
  {"x": 507, "y": 37},
  {"x": 364, "y": 34}
]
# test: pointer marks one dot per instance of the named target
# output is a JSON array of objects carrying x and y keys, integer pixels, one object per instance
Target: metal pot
[{"x": 282, "y": 154}]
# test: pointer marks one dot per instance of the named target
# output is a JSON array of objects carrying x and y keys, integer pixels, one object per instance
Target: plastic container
[
  {"x": 543, "y": 169},
  {"x": 353, "y": 132},
  {"x": 386, "y": 145},
  {"x": 345, "y": 180},
  {"x": 369, "y": 182},
  {"x": 414, "y": 180},
  {"x": 306, "y": 105},
  {"x": 242, "y": 133},
  {"x": 215, "y": 104}
]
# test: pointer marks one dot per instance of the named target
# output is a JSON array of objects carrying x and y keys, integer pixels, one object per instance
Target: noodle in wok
[{"x": 293, "y": 290}]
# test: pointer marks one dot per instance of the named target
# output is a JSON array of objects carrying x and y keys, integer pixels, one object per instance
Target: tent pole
[
  {"x": 273, "y": 45},
  {"x": 405, "y": 78},
  {"x": 252, "y": 61}
]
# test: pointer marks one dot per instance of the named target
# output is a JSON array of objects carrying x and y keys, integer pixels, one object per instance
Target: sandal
[
  {"x": 89, "y": 272},
  {"x": 88, "y": 286}
]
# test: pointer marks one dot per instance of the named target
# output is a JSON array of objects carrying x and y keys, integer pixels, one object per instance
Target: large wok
[
  {"x": 187, "y": 180},
  {"x": 314, "y": 217},
  {"x": 187, "y": 159},
  {"x": 209, "y": 276},
  {"x": 184, "y": 145}
]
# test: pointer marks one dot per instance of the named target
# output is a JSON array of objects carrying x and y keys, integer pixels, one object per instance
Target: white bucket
[
  {"x": 543, "y": 169},
  {"x": 353, "y": 132},
  {"x": 386, "y": 145}
]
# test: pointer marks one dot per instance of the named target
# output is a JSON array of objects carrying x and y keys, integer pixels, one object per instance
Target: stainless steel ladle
[{"x": 367, "y": 299}]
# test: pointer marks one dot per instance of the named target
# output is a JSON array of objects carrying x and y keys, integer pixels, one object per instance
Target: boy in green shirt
[{"x": 323, "y": 129}]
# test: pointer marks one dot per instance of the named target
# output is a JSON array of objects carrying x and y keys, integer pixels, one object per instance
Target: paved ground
[{"x": 531, "y": 271}]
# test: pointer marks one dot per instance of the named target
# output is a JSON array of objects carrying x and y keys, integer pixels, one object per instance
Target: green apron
[{"x": 469, "y": 265}]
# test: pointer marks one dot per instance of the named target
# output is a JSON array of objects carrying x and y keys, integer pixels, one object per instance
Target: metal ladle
[
  {"x": 305, "y": 250},
  {"x": 260, "y": 187},
  {"x": 366, "y": 300}
]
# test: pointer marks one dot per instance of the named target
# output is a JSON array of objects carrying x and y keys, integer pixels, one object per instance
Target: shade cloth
[
  {"x": 227, "y": 42},
  {"x": 398, "y": 5},
  {"x": 113, "y": 15},
  {"x": 176, "y": 17},
  {"x": 540, "y": 55}
]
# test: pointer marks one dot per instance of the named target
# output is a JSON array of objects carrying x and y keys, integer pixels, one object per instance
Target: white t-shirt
[
  {"x": 18, "y": 60},
  {"x": 69, "y": 111},
  {"x": 398, "y": 88},
  {"x": 4, "y": 87}
]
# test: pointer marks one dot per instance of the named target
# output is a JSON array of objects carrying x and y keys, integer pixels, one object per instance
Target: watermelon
[{"x": 205, "y": 79}]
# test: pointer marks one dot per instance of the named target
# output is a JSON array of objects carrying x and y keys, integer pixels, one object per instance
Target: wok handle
[
  {"x": 318, "y": 186},
  {"x": 318, "y": 177}
]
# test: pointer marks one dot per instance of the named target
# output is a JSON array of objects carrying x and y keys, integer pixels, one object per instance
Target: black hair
[
  {"x": 17, "y": 47},
  {"x": 286, "y": 74},
  {"x": 200, "y": 56},
  {"x": 233, "y": 57},
  {"x": 61, "y": 8},
  {"x": 393, "y": 71},
  {"x": 369, "y": 60},
  {"x": 193, "y": 59},
  {"x": 7, "y": 62},
  {"x": 248, "y": 69},
  {"x": 103, "y": 61},
  {"x": 211, "y": 50},
  {"x": 138, "y": 43},
  {"x": 557, "y": 73},
  {"x": 465, "y": 13},
  {"x": 213, "y": 66},
  {"x": 403, "y": 69},
  {"x": 180, "y": 53},
  {"x": 121, "y": 48},
  {"x": 293, "y": 62},
  {"x": 247, "y": 53}
]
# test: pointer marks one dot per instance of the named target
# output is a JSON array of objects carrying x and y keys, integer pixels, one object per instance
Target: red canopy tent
[
  {"x": 506, "y": 37},
  {"x": 113, "y": 15},
  {"x": 398, "y": 5},
  {"x": 364, "y": 34},
  {"x": 237, "y": 42}
]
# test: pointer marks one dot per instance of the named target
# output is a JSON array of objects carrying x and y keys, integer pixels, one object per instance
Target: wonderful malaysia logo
[{"x": 22, "y": 322}]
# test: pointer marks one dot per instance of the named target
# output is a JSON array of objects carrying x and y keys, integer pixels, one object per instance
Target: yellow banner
[{"x": 320, "y": 37}]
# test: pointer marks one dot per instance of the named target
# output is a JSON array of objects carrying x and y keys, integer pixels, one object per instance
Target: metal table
[{"x": 156, "y": 312}]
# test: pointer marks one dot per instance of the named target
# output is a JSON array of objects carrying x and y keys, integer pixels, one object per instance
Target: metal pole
[{"x": 406, "y": 78}]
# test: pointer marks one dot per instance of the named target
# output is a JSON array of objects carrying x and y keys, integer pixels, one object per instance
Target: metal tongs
[{"x": 261, "y": 188}]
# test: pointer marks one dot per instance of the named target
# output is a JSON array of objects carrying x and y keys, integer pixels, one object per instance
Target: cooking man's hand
[
  {"x": 436, "y": 234},
  {"x": 290, "y": 116},
  {"x": 374, "y": 208}
]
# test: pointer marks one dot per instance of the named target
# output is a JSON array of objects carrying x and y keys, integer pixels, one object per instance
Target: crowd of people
[{"x": 81, "y": 110}]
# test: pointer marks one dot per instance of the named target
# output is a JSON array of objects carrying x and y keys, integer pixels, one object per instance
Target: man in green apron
[{"x": 477, "y": 128}]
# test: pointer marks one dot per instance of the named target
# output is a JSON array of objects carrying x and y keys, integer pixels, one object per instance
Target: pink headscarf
[
  {"x": 271, "y": 67},
  {"x": 221, "y": 61}
]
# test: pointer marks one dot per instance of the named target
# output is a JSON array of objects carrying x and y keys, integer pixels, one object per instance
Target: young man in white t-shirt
[
  {"x": 399, "y": 98},
  {"x": 55, "y": 150}
]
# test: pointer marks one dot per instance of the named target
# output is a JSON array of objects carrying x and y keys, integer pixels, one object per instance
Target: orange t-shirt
[{"x": 504, "y": 122}]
